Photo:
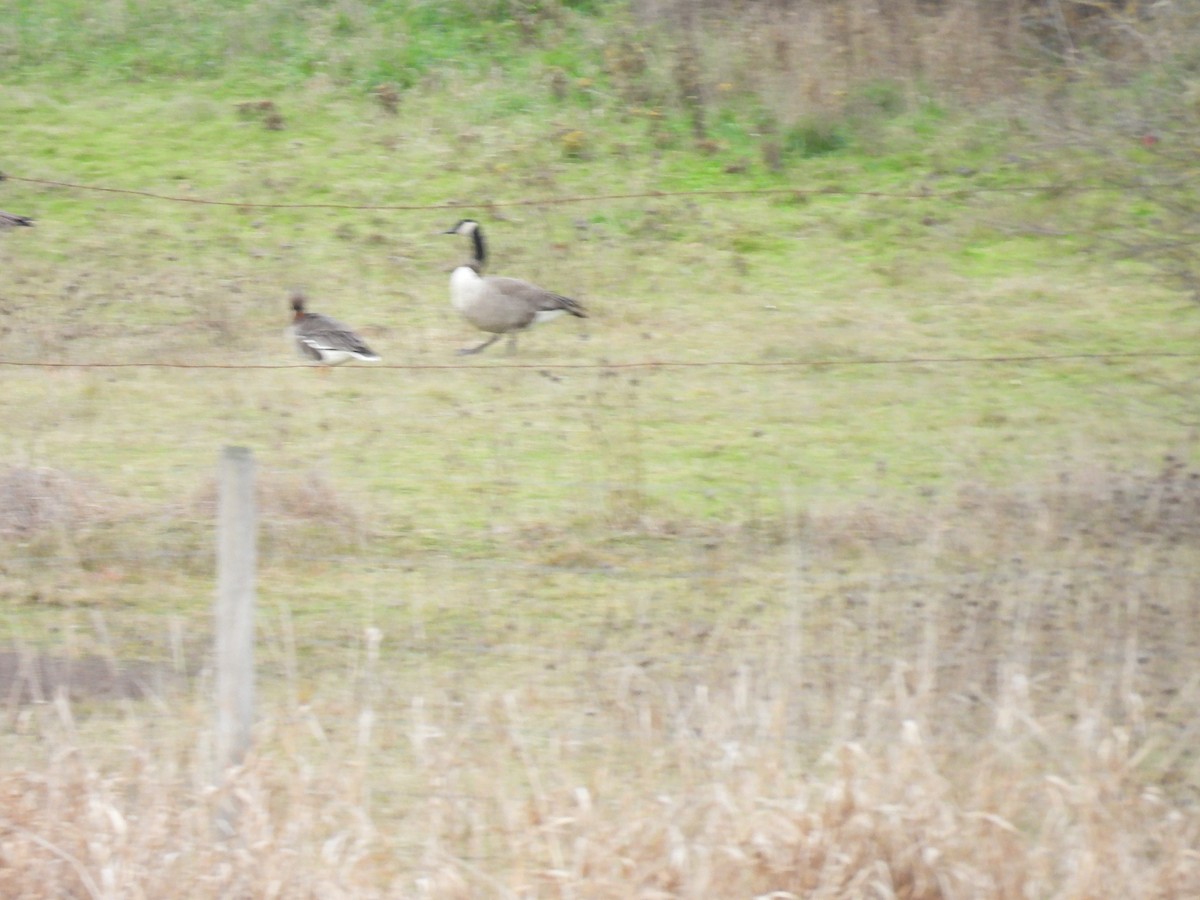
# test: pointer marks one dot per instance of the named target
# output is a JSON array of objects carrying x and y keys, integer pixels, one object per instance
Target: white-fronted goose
[
  {"x": 497, "y": 304},
  {"x": 325, "y": 340},
  {"x": 11, "y": 220}
]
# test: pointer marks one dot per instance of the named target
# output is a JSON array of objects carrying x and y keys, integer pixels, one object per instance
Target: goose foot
[{"x": 469, "y": 351}]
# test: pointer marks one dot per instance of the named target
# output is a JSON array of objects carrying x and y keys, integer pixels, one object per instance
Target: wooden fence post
[{"x": 237, "y": 560}]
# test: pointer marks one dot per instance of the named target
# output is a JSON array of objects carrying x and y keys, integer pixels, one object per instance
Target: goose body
[
  {"x": 324, "y": 340},
  {"x": 500, "y": 305},
  {"x": 11, "y": 220}
]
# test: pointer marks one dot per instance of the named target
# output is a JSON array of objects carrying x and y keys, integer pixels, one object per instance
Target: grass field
[{"x": 882, "y": 582}]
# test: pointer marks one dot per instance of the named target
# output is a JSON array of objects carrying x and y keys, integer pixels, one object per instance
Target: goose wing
[
  {"x": 321, "y": 333},
  {"x": 533, "y": 298}
]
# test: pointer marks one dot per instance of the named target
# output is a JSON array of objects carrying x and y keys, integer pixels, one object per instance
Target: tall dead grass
[
  {"x": 1026, "y": 728},
  {"x": 707, "y": 795},
  {"x": 828, "y": 58}
]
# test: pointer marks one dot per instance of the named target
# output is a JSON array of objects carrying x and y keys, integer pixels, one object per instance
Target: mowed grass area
[{"x": 555, "y": 624}]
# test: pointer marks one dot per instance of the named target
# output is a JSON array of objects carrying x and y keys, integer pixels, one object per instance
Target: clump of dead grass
[
  {"x": 296, "y": 510},
  {"x": 147, "y": 829},
  {"x": 36, "y": 500}
]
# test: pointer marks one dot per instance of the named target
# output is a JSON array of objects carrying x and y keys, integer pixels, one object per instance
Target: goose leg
[
  {"x": 468, "y": 351},
  {"x": 512, "y": 343}
]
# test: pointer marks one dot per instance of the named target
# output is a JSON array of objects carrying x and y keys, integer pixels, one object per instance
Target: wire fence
[
  {"x": 433, "y": 665},
  {"x": 677, "y": 628},
  {"x": 703, "y": 606},
  {"x": 1005, "y": 359}
]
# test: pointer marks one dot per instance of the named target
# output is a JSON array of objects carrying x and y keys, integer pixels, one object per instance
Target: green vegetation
[{"x": 625, "y": 608}]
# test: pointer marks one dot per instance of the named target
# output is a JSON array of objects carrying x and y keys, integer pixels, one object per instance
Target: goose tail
[{"x": 574, "y": 307}]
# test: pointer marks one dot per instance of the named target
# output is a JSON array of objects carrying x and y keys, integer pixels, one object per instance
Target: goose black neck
[{"x": 480, "y": 250}]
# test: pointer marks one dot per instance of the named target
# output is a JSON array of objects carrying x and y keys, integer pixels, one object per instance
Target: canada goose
[
  {"x": 9, "y": 220},
  {"x": 325, "y": 340},
  {"x": 497, "y": 304}
]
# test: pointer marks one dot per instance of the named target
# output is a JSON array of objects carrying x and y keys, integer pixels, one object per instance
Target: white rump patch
[{"x": 545, "y": 315}]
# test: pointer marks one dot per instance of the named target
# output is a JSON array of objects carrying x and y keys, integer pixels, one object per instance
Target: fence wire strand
[{"x": 1003, "y": 359}]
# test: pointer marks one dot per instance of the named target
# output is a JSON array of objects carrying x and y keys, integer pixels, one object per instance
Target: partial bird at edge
[{"x": 12, "y": 220}]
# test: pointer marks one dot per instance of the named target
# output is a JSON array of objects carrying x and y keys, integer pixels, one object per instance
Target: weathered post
[{"x": 237, "y": 559}]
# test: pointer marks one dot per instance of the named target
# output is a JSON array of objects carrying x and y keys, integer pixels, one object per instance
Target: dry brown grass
[
  {"x": 296, "y": 510},
  {"x": 694, "y": 796},
  {"x": 813, "y": 59},
  {"x": 35, "y": 500},
  {"x": 995, "y": 700}
]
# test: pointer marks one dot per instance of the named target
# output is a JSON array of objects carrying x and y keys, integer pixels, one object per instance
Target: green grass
[
  {"x": 437, "y": 456},
  {"x": 357, "y": 44}
]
